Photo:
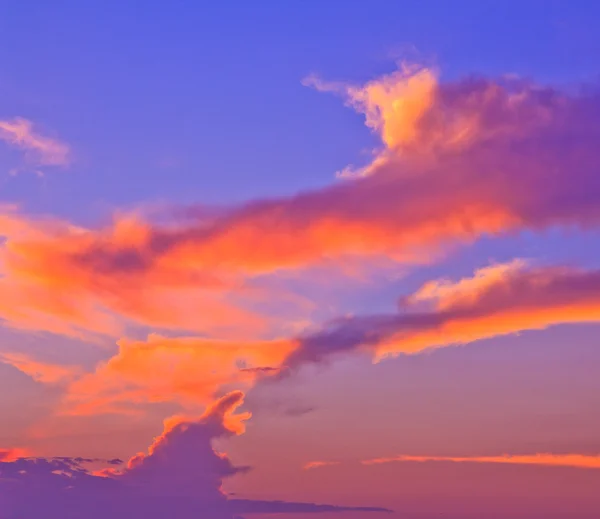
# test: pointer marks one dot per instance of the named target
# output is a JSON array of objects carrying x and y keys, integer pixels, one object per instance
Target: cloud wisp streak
[
  {"x": 40, "y": 371},
  {"x": 319, "y": 464},
  {"x": 39, "y": 149},
  {"x": 580, "y": 461}
]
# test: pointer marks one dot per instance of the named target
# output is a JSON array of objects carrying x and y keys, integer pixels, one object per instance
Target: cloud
[
  {"x": 42, "y": 291},
  {"x": 42, "y": 150},
  {"x": 185, "y": 370},
  {"x": 459, "y": 160},
  {"x": 9, "y": 455},
  {"x": 580, "y": 461},
  {"x": 319, "y": 464},
  {"x": 39, "y": 371},
  {"x": 498, "y": 300},
  {"x": 394, "y": 105},
  {"x": 182, "y": 461},
  {"x": 245, "y": 506},
  {"x": 180, "y": 475}
]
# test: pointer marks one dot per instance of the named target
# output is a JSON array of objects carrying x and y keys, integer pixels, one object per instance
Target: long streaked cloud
[
  {"x": 580, "y": 461},
  {"x": 40, "y": 149},
  {"x": 497, "y": 300},
  {"x": 459, "y": 160},
  {"x": 319, "y": 464}
]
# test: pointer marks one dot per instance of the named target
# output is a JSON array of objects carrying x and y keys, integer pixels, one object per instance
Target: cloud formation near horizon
[
  {"x": 181, "y": 475},
  {"x": 9, "y": 455}
]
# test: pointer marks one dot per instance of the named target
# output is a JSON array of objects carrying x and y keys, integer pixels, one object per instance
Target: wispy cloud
[
  {"x": 319, "y": 464},
  {"x": 580, "y": 461},
  {"x": 46, "y": 373},
  {"x": 497, "y": 300},
  {"x": 40, "y": 149}
]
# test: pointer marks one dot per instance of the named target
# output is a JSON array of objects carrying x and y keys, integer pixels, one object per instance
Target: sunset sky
[{"x": 267, "y": 259}]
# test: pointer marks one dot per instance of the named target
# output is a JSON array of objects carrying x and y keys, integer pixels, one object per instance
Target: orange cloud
[
  {"x": 188, "y": 371},
  {"x": 319, "y": 464},
  {"x": 9, "y": 455},
  {"x": 39, "y": 371},
  {"x": 580, "y": 461},
  {"x": 45, "y": 151},
  {"x": 394, "y": 105},
  {"x": 498, "y": 300},
  {"x": 460, "y": 160},
  {"x": 45, "y": 287}
]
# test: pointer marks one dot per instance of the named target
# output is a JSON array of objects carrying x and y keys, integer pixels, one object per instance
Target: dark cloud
[{"x": 180, "y": 476}]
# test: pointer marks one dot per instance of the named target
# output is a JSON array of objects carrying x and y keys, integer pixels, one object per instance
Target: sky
[{"x": 309, "y": 259}]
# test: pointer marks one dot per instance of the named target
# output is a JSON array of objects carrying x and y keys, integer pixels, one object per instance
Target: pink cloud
[
  {"x": 40, "y": 371},
  {"x": 43, "y": 150}
]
